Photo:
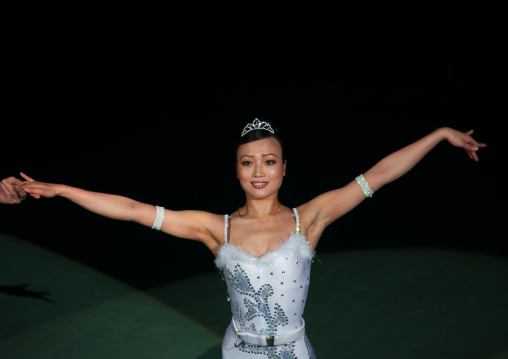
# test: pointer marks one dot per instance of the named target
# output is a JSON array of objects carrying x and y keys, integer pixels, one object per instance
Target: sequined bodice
[{"x": 268, "y": 293}]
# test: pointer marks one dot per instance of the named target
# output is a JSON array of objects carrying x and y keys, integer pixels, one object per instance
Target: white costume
[{"x": 268, "y": 296}]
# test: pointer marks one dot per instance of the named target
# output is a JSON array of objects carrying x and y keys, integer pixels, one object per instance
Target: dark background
[{"x": 155, "y": 120}]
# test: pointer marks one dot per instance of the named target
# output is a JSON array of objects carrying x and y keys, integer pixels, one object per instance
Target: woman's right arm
[{"x": 196, "y": 225}]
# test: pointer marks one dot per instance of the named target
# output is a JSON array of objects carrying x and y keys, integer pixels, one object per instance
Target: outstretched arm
[
  {"x": 400, "y": 162},
  {"x": 329, "y": 206},
  {"x": 183, "y": 224}
]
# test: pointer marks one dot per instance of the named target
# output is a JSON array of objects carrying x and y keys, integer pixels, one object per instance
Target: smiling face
[{"x": 260, "y": 168}]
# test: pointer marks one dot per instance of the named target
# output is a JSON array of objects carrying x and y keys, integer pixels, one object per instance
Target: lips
[{"x": 259, "y": 184}]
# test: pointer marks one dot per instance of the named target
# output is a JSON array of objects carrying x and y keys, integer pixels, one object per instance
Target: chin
[{"x": 261, "y": 194}]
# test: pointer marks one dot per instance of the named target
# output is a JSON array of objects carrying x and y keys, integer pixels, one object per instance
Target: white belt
[{"x": 271, "y": 340}]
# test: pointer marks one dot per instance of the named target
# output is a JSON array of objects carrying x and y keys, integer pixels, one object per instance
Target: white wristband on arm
[
  {"x": 159, "y": 218},
  {"x": 367, "y": 191}
]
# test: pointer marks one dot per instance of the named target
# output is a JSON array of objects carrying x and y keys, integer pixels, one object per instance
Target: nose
[{"x": 259, "y": 170}]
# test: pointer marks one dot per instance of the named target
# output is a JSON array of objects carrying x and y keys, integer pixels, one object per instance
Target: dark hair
[{"x": 256, "y": 135}]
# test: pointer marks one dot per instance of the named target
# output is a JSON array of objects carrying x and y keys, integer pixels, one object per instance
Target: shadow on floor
[{"x": 21, "y": 291}]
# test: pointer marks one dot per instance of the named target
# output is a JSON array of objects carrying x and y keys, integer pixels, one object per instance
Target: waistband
[{"x": 271, "y": 340}]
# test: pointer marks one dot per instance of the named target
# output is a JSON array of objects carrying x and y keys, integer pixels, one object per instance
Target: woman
[{"x": 264, "y": 248}]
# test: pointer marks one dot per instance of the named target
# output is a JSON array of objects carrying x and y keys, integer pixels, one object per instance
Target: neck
[{"x": 257, "y": 208}]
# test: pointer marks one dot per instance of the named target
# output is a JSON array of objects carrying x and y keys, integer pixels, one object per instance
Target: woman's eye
[
  {"x": 246, "y": 163},
  {"x": 270, "y": 162}
]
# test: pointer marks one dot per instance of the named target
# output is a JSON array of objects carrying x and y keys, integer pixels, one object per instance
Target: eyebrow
[{"x": 264, "y": 154}]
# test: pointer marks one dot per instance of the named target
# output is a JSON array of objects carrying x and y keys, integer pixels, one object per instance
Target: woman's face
[{"x": 260, "y": 168}]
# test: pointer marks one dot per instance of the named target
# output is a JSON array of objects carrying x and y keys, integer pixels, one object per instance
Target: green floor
[{"x": 385, "y": 303}]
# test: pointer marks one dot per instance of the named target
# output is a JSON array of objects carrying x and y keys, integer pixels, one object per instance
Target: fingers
[
  {"x": 9, "y": 188},
  {"x": 6, "y": 189},
  {"x": 35, "y": 192},
  {"x": 20, "y": 191},
  {"x": 472, "y": 155},
  {"x": 15, "y": 188},
  {"x": 471, "y": 151},
  {"x": 471, "y": 146},
  {"x": 10, "y": 194},
  {"x": 13, "y": 180},
  {"x": 472, "y": 140},
  {"x": 36, "y": 196},
  {"x": 26, "y": 177}
]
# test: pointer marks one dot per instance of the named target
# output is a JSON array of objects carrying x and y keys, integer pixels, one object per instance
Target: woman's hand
[
  {"x": 38, "y": 189},
  {"x": 464, "y": 140}
]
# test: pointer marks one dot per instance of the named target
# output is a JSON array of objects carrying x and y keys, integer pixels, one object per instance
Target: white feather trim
[{"x": 296, "y": 242}]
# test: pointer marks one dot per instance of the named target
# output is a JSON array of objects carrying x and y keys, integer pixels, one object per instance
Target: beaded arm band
[
  {"x": 159, "y": 218},
  {"x": 367, "y": 191}
]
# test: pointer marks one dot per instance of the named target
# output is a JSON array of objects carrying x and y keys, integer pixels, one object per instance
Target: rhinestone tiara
[{"x": 257, "y": 125}]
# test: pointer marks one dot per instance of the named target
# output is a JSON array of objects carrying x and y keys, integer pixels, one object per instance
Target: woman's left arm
[
  {"x": 329, "y": 206},
  {"x": 400, "y": 162}
]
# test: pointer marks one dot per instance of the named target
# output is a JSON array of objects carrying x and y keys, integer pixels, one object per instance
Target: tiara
[{"x": 257, "y": 125}]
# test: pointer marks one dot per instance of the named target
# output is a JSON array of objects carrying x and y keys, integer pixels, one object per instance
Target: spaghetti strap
[
  {"x": 297, "y": 219},
  {"x": 226, "y": 225}
]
